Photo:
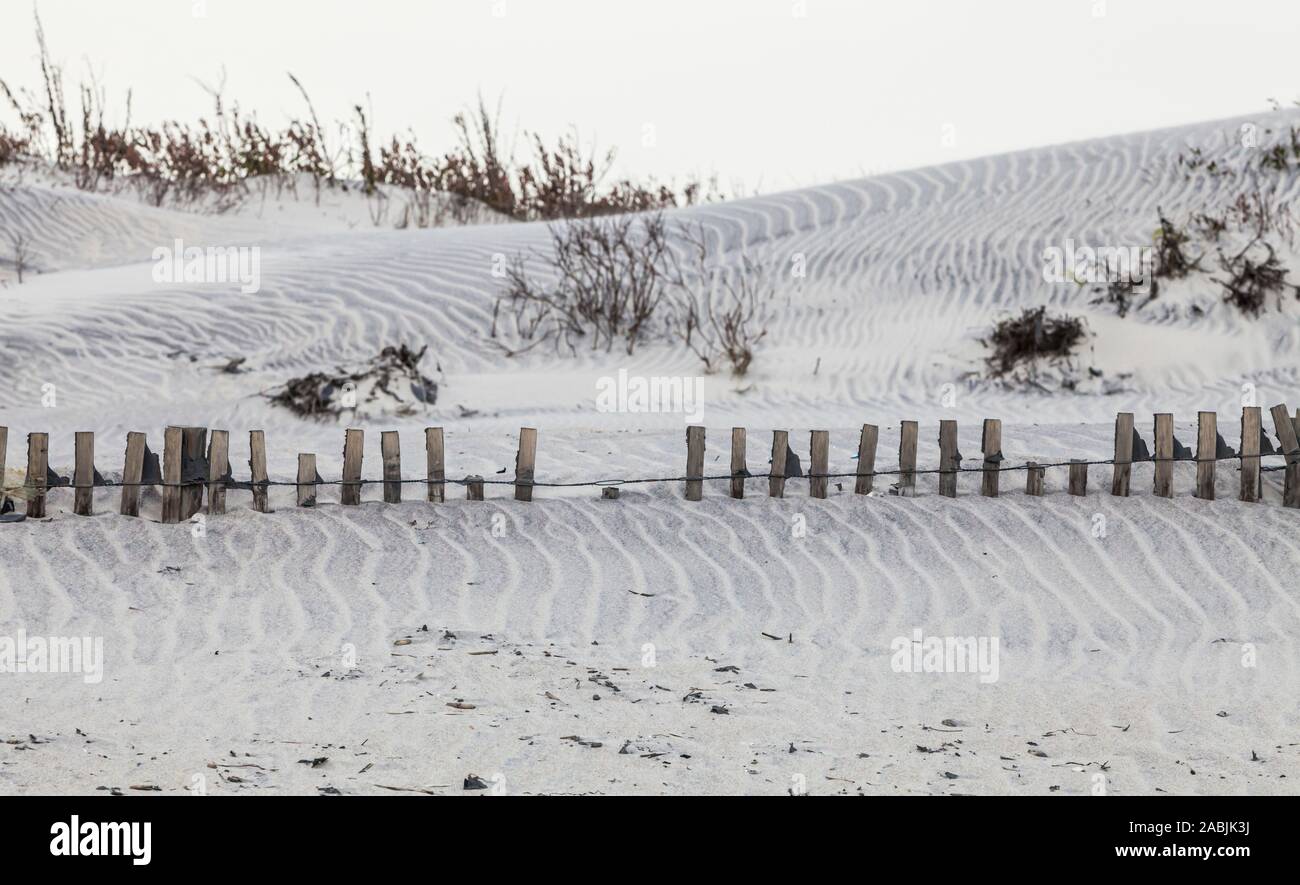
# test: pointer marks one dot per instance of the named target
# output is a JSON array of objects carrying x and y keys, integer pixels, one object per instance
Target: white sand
[{"x": 1120, "y": 655}]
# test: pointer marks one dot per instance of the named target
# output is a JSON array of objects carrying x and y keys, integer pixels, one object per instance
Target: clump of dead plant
[{"x": 1031, "y": 338}]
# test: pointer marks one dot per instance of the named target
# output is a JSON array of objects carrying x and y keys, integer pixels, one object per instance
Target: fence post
[
  {"x": 780, "y": 454},
  {"x": 354, "y": 453},
  {"x": 525, "y": 464},
  {"x": 4, "y": 452},
  {"x": 474, "y": 488},
  {"x": 907, "y": 458},
  {"x": 1078, "y": 478},
  {"x": 1034, "y": 480},
  {"x": 132, "y": 473},
  {"x": 1164, "y": 456},
  {"x": 819, "y": 463},
  {"x": 172, "y": 503},
  {"x": 390, "y": 445},
  {"x": 38, "y": 465},
  {"x": 218, "y": 470},
  {"x": 694, "y": 463},
  {"x": 434, "y": 450},
  {"x": 1119, "y": 486},
  {"x": 306, "y": 480},
  {"x": 948, "y": 462},
  {"x": 1286, "y": 433},
  {"x": 1251, "y": 429},
  {"x": 867, "y": 459},
  {"x": 738, "y": 469},
  {"x": 194, "y": 442},
  {"x": 992, "y": 448},
  {"x": 257, "y": 464},
  {"x": 1207, "y": 451},
  {"x": 83, "y": 477}
]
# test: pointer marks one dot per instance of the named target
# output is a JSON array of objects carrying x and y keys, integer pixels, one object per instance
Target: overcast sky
[{"x": 772, "y": 93}]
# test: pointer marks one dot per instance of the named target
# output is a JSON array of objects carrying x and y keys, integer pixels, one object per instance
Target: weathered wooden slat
[
  {"x": 4, "y": 453},
  {"x": 526, "y": 464},
  {"x": 738, "y": 468},
  {"x": 780, "y": 454},
  {"x": 1034, "y": 479},
  {"x": 1119, "y": 486},
  {"x": 132, "y": 473},
  {"x": 390, "y": 446},
  {"x": 1251, "y": 428},
  {"x": 1207, "y": 449},
  {"x": 1286, "y": 434},
  {"x": 173, "y": 506},
  {"x": 218, "y": 465},
  {"x": 1078, "y": 478},
  {"x": 907, "y": 440},
  {"x": 948, "y": 458},
  {"x": 609, "y": 493},
  {"x": 992, "y": 449},
  {"x": 474, "y": 488},
  {"x": 194, "y": 442},
  {"x": 867, "y": 459},
  {"x": 306, "y": 480},
  {"x": 38, "y": 465},
  {"x": 257, "y": 465},
  {"x": 694, "y": 463},
  {"x": 354, "y": 453},
  {"x": 83, "y": 476},
  {"x": 819, "y": 463},
  {"x": 434, "y": 454},
  {"x": 1164, "y": 456}
]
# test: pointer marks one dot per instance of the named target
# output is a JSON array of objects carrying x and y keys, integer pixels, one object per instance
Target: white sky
[{"x": 772, "y": 93}]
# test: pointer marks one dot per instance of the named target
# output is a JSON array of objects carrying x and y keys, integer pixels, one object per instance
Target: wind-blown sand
[{"x": 608, "y": 647}]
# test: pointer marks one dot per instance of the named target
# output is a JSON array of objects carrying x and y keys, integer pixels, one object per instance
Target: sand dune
[{"x": 587, "y": 644}]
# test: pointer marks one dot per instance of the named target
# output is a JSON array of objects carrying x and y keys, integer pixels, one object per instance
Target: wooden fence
[{"x": 194, "y": 462}]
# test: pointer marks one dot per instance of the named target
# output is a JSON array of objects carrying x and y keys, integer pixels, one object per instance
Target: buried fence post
[
  {"x": 780, "y": 454},
  {"x": 390, "y": 446},
  {"x": 1291, "y": 449},
  {"x": 218, "y": 470},
  {"x": 257, "y": 465},
  {"x": 1119, "y": 486},
  {"x": 1251, "y": 428},
  {"x": 1164, "y": 456},
  {"x": 172, "y": 503},
  {"x": 1207, "y": 450},
  {"x": 1034, "y": 479},
  {"x": 907, "y": 458},
  {"x": 38, "y": 465},
  {"x": 949, "y": 460},
  {"x": 306, "y": 480},
  {"x": 354, "y": 453},
  {"x": 694, "y": 463},
  {"x": 83, "y": 477},
  {"x": 1079, "y": 478},
  {"x": 867, "y": 459},
  {"x": 132, "y": 473},
  {"x": 474, "y": 488},
  {"x": 992, "y": 448},
  {"x": 433, "y": 450},
  {"x": 819, "y": 463},
  {"x": 525, "y": 464},
  {"x": 738, "y": 469},
  {"x": 194, "y": 442}
]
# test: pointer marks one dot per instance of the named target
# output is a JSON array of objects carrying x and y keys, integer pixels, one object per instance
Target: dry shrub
[
  {"x": 607, "y": 277},
  {"x": 1033, "y": 336},
  {"x": 391, "y": 383},
  {"x": 1252, "y": 277}
]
